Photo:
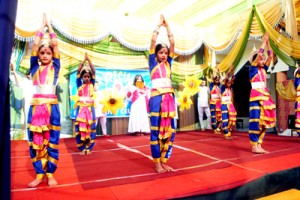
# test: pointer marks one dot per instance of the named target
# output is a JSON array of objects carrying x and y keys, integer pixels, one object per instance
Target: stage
[{"x": 205, "y": 165}]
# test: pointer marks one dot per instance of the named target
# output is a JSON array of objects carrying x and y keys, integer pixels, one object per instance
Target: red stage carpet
[{"x": 120, "y": 167}]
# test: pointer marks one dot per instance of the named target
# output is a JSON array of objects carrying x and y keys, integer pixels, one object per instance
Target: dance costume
[
  {"x": 44, "y": 117},
  {"x": 228, "y": 111},
  {"x": 85, "y": 118},
  {"x": 262, "y": 108},
  {"x": 162, "y": 109},
  {"x": 215, "y": 106}
]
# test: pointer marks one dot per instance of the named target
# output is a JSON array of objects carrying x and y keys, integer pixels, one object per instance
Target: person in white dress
[
  {"x": 100, "y": 115},
  {"x": 138, "y": 118},
  {"x": 203, "y": 105}
]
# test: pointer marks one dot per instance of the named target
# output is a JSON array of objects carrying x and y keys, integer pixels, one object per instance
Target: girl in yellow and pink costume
[
  {"x": 215, "y": 101},
  {"x": 262, "y": 107},
  {"x": 85, "y": 117},
  {"x": 44, "y": 115},
  {"x": 162, "y": 102},
  {"x": 227, "y": 107}
]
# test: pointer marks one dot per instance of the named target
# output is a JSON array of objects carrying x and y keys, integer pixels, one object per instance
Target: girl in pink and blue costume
[
  {"x": 215, "y": 101},
  {"x": 162, "y": 102},
  {"x": 85, "y": 117},
  {"x": 262, "y": 107},
  {"x": 227, "y": 107},
  {"x": 44, "y": 115}
]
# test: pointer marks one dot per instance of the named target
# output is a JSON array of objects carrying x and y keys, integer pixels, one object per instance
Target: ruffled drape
[
  {"x": 287, "y": 92},
  {"x": 90, "y": 29},
  {"x": 89, "y": 23}
]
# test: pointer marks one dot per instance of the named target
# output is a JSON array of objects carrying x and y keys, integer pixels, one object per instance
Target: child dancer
[
  {"x": 227, "y": 107},
  {"x": 85, "y": 126},
  {"x": 44, "y": 116},
  {"x": 138, "y": 118},
  {"x": 215, "y": 102},
  {"x": 162, "y": 104},
  {"x": 262, "y": 108}
]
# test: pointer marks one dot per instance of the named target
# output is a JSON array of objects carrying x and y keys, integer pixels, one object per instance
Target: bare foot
[
  {"x": 159, "y": 168},
  {"x": 52, "y": 181},
  {"x": 227, "y": 137},
  {"x": 88, "y": 152},
  {"x": 166, "y": 167},
  {"x": 262, "y": 150},
  {"x": 35, "y": 183},
  {"x": 255, "y": 149},
  {"x": 82, "y": 152}
]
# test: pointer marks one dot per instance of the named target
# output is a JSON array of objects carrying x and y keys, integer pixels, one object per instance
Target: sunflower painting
[
  {"x": 111, "y": 101},
  {"x": 191, "y": 84},
  {"x": 185, "y": 100}
]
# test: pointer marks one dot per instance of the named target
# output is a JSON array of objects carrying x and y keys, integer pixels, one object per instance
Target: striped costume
[
  {"x": 44, "y": 117},
  {"x": 162, "y": 109},
  {"x": 262, "y": 108},
  {"x": 215, "y": 106},
  {"x": 85, "y": 118},
  {"x": 228, "y": 111},
  {"x": 297, "y": 101}
]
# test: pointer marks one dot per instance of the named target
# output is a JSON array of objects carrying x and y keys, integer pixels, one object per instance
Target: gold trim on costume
[
  {"x": 53, "y": 146},
  {"x": 39, "y": 101},
  {"x": 34, "y": 53},
  {"x": 53, "y": 160}
]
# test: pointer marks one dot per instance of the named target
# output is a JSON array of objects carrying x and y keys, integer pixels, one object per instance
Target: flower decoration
[
  {"x": 62, "y": 75},
  {"x": 75, "y": 98},
  {"x": 185, "y": 100},
  {"x": 191, "y": 84},
  {"x": 112, "y": 101}
]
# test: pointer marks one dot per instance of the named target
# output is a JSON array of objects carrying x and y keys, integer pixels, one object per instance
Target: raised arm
[
  {"x": 39, "y": 35},
  {"x": 52, "y": 36},
  {"x": 170, "y": 35},
  {"x": 80, "y": 66},
  {"x": 216, "y": 71},
  {"x": 262, "y": 47},
  {"x": 155, "y": 33},
  {"x": 270, "y": 53},
  {"x": 90, "y": 63}
]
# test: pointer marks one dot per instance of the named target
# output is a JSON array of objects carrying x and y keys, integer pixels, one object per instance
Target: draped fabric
[
  {"x": 8, "y": 10},
  {"x": 221, "y": 27},
  {"x": 216, "y": 23},
  {"x": 297, "y": 11},
  {"x": 290, "y": 18},
  {"x": 287, "y": 92},
  {"x": 287, "y": 45}
]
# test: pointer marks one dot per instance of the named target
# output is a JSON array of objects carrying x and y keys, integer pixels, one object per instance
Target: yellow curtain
[
  {"x": 272, "y": 13},
  {"x": 287, "y": 93},
  {"x": 133, "y": 23},
  {"x": 222, "y": 36},
  {"x": 287, "y": 45},
  {"x": 297, "y": 11}
]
